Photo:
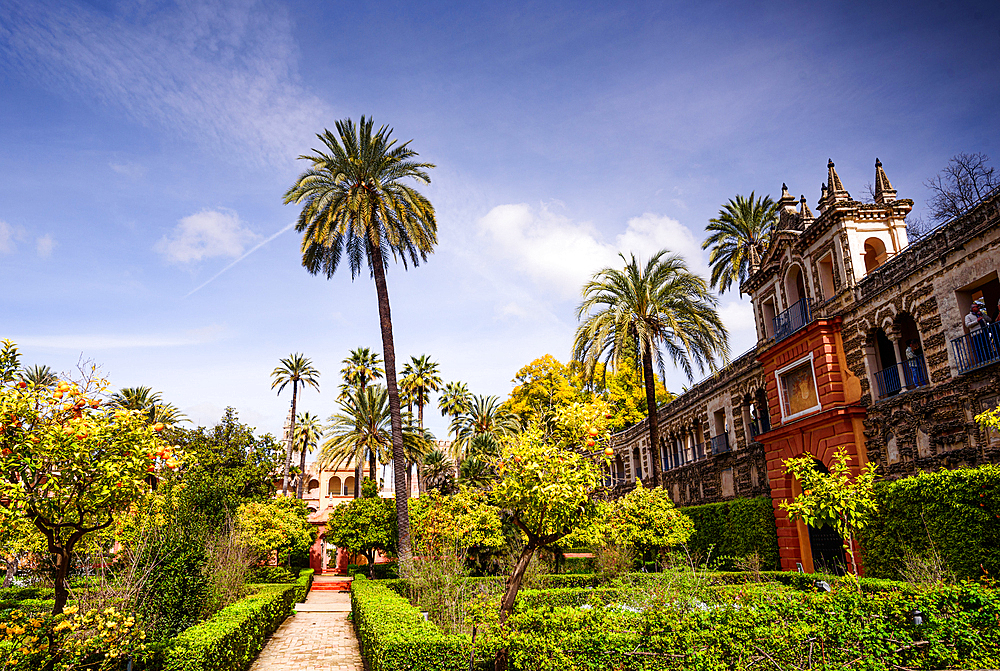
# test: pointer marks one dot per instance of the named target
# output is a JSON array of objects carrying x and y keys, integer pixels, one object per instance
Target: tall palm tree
[
  {"x": 40, "y": 375},
  {"x": 484, "y": 419},
  {"x": 360, "y": 431},
  {"x": 651, "y": 309},
  {"x": 438, "y": 470},
  {"x": 361, "y": 367},
  {"x": 454, "y": 399},
  {"x": 355, "y": 202},
  {"x": 739, "y": 239},
  {"x": 298, "y": 370},
  {"x": 150, "y": 403},
  {"x": 308, "y": 431},
  {"x": 420, "y": 378}
]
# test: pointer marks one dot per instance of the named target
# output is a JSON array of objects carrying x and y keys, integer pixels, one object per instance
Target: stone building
[{"x": 862, "y": 345}]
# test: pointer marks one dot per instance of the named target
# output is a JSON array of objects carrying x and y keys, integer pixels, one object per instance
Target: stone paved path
[{"x": 318, "y": 637}]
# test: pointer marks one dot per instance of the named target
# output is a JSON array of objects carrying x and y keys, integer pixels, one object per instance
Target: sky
[{"x": 145, "y": 148}]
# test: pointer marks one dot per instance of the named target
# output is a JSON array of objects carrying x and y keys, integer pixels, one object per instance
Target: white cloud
[
  {"x": 222, "y": 74},
  {"x": 9, "y": 235},
  {"x": 561, "y": 255},
  {"x": 206, "y": 234},
  {"x": 44, "y": 245}
]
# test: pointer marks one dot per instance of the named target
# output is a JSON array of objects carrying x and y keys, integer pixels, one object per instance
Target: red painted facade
[{"x": 820, "y": 432}]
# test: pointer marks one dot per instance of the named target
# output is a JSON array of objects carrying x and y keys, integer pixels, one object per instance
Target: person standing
[{"x": 913, "y": 360}]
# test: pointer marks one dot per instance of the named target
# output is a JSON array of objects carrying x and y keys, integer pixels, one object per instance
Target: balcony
[
  {"x": 791, "y": 320},
  {"x": 977, "y": 349},
  {"x": 893, "y": 379},
  {"x": 720, "y": 443}
]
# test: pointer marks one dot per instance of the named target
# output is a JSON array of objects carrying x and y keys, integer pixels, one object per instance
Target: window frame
[{"x": 781, "y": 388}]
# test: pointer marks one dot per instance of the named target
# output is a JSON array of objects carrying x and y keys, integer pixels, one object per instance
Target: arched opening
[
  {"x": 759, "y": 414},
  {"x": 636, "y": 463},
  {"x": 313, "y": 486},
  {"x": 336, "y": 489},
  {"x": 882, "y": 360},
  {"x": 826, "y": 544},
  {"x": 795, "y": 288},
  {"x": 349, "y": 486},
  {"x": 912, "y": 352},
  {"x": 874, "y": 254}
]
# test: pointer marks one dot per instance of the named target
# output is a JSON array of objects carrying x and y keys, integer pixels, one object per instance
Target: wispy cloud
[
  {"x": 223, "y": 74},
  {"x": 206, "y": 234},
  {"x": 9, "y": 236},
  {"x": 44, "y": 245},
  {"x": 248, "y": 253},
  {"x": 129, "y": 169}
]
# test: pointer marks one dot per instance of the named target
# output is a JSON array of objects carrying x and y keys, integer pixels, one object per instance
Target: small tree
[
  {"x": 18, "y": 539},
  {"x": 835, "y": 498},
  {"x": 547, "y": 492},
  {"x": 645, "y": 521},
  {"x": 364, "y": 526},
  {"x": 280, "y": 525},
  {"x": 69, "y": 464},
  {"x": 961, "y": 185},
  {"x": 456, "y": 524}
]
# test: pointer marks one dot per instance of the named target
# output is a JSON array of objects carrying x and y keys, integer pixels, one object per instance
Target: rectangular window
[
  {"x": 826, "y": 276},
  {"x": 797, "y": 388},
  {"x": 767, "y": 314}
]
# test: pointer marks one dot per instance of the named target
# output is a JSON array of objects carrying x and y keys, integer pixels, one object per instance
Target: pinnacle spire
[
  {"x": 804, "y": 210},
  {"x": 884, "y": 193},
  {"x": 837, "y": 190},
  {"x": 787, "y": 200}
]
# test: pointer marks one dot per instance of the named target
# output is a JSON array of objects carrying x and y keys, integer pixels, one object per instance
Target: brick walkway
[{"x": 318, "y": 637}]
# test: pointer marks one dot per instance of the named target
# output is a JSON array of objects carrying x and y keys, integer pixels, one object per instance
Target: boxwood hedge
[
  {"x": 957, "y": 511},
  {"x": 394, "y": 636},
  {"x": 735, "y": 528}
]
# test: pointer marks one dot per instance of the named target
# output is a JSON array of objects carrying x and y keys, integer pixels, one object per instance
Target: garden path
[{"x": 319, "y": 637}]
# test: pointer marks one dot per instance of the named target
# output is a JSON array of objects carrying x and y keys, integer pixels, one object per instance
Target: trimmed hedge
[
  {"x": 394, "y": 636},
  {"x": 959, "y": 511},
  {"x": 270, "y": 575},
  {"x": 232, "y": 638},
  {"x": 303, "y": 584},
  {"x": 385, "y": 571},
  {"x": 735, "y": 528}
]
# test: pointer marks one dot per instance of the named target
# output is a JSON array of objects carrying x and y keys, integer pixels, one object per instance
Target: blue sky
[{"x": 145, "y": 147}]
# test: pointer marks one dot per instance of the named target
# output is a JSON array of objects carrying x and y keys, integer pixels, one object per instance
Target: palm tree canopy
[
  {"x": 308, "y": 431},
  {"x": 40, "y": 375},
  {"x": 454, "y": 399},
  {"x": 361, "y": 426},
  {"x": 420, "y": 378},
  {"x": 148, "y": 402},
  {"x": 361, "y": 368},
  {"x": 483, "y": 417},
  {"x": 739, "y": 237},
  {"x": 295, "y": 368},
  {"x": 355, "y": 202},
  {"x": 658, "y": 307},
  {"x": 438, "y": 470}
]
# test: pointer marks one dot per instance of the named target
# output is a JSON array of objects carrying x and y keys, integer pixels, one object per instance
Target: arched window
[
  {"x": 874, "y": 254},
  {"x": 795, "y": 287},
  {"x": 313, "y": 486},
  {"x": 349, "y": 486},
  {"x": 335, "y": 489},
  {"x": 881, "y": 355}
]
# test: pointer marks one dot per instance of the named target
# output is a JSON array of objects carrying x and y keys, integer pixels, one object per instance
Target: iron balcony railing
[
  {"x": 720, "y": 443},
  {"x": 909, "y": 374},
  {"x": 977, "y": 349},
  {"x": 791, "y": 320}
]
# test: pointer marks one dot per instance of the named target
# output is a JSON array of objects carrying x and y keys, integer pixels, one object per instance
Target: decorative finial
[
  {"x": 884, "y": 193},
  {"x": 878, "y": 163}
]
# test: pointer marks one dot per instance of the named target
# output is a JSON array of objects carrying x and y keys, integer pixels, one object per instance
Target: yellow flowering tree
[{"x": 68, "y": 462}]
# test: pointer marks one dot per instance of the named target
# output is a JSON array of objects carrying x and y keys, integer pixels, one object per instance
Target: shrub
[
  {"x": 394, "y": 636},
  {"x": 269, "y": 575},
  {"x": 303, "y": 584},
  {"x": 231, "y": 639},
  {"x": 735, "y": 529},
  {"x": 384, "y": 571},
  {"x": 955, "y": 514}
]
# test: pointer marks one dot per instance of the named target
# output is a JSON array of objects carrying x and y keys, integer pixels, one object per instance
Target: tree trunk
[
  {"x": 291, "y": 437},
  {"x": 302, "y": 456},
  {"x": 62, "y": 557},
  {"x": 371, "y": 466},
  {"x": 652, "y": 412},
  {"x": 510, "y": 595},
  {"x": 420, "y": 481},
  {"x": 389, "y": 357},
  {"x": 357, "y": 481}
]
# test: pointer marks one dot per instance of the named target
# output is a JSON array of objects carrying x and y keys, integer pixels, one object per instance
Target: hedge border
[
  {"x": 735, "y": 528},
  {"x": 232, "y": 638},
  {"x": 303, "y": 585},
  {"x": 393, "y": 635}
]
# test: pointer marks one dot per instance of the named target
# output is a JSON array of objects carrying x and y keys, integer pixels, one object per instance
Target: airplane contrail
[{"x": 248, "y": 253}]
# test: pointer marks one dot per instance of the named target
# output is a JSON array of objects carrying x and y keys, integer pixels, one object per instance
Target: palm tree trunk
[
  {"x": 420, "y": 480},
  {"x": 357, "y": 481},
  {"x": 371, "y": 466},
  {"x": 652, "y": 411},
  {"x": 291, "y": 439},
  {"x": 389, "y": 357}
]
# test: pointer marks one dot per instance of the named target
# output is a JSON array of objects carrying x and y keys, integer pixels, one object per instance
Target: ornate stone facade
[{"x": 861, "y": 346}]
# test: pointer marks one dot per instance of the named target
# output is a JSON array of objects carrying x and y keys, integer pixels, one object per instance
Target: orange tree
[{"x": 68, "y": 462}]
